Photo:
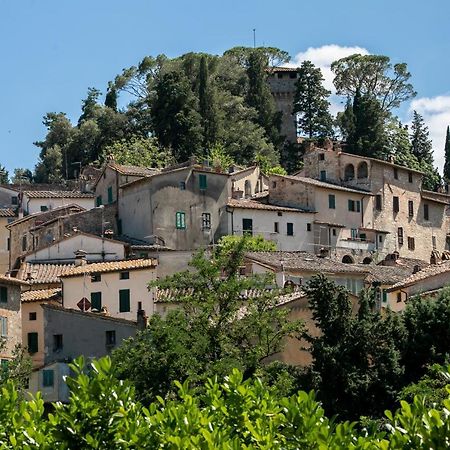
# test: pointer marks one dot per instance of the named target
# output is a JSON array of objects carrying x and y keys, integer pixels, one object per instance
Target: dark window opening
[
  {"x": 410, "y": 208},
  {"x": 308, "y": 227},
  {"x": 321, "y": 156},
  {"x": 32, "y": 316},
  {"x": 32, "y": 343},
  {"x": 247, "y": 227},
  {"x": 96, "y": 301},
  {"x": 400, "y": 235},
  {"x": 57, "y": 342},
  {"x": 290, "y": 229},
  {"x": 124, "y": 275},
  {"x": 110, "y": 338},
  {"x": 396, "y": 204},
  {"x": 124, "y": 300},
  {"x": 378, "y": 202},
  {"x": 276, "y": 228},
  {"x": 47, "y": 378},
  {"x": 411, "y": 243},
  {"x": 426, "y": 212},
  {"x": 96, "y": 277}
]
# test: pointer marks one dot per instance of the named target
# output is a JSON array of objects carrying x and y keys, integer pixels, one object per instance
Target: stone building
[
  {"x": 282, "y": 85},
  {"x": 185, "y": 207},
  {"x": 7, "y": 215},
  {"x": 34, "y": 201},
  {"x": 414, "y": 221},
  {"x": 10, "y": 315}
]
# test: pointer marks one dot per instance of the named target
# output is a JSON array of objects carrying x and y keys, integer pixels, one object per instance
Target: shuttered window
[
  {"x": 48, "y": 378},
  {"x": 124, "y": 300},
  {"x": 32, "y": 343},
  {"x": 180, "y": 220},
  {"x": 3, "y": 326},
  {"x": 202, "y": 182},
  {"x": 3, "y": 294},
  {"x": 96, "y": 300},
  {"x": 331, "y": 201}
]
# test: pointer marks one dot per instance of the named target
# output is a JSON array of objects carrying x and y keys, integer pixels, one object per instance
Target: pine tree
[
  {"x": 421, "y": 145},
  {"x": 447, "y": 156},
  {"x": 4, "y": 175},
  {"x": 311, "y": 104}
]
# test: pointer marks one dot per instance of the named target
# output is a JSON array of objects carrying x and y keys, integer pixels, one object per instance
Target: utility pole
[{"x": 254, "y": 37}]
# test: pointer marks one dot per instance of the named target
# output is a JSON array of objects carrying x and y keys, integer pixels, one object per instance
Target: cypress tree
[
  {"x": 421, "y": 145},
  {"x": 447, "y": 156}
]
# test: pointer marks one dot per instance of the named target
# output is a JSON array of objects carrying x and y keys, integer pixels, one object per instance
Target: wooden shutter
[
  {"x": 124, "y": 300},
  {"x": 3, "y": 294}
]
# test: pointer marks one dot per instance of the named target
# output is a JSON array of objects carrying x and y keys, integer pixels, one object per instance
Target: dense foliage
[{"x": 103, "y": 413}]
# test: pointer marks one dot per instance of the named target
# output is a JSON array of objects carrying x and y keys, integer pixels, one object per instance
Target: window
[
  {"x": 3, "y": 326},
  {"x": 354, "y": 205},
  {"x": 321, "y": 156},
  {"x": 3, "y": 294},
  {"x": 247, "y": 227},
  {"x": 202, "y": 182},
  {"x": 279, "y": 214},
  {"x": 276, "y": 227},
  {"x": 395, "y": 204},
  {"x": 410, "y": 177},
  {"x": 57, "y": 342},
  {"x": 433, "y": 242},
  {"x": 8, "y": 244},
  {"x": 349, "y": 172},
  {"x": 396, "y": 173},
  {"x": 44, "y": 208},
  {"x": 363, "y": 170},
  {"x": 98, "y": 201},
  {"x": 24, "y": 243},
  {"x": 124, "y": 300},
  {"x": 32, "y": 342},
  {"x": 124, "y": 275},
  {"x": 32, "y": 316},
  {"x": 182, "y": 185},
  {"x": 96, "y": 277},
  {"x": 380, "y": 239},
  {"x": 331, "y": 201},
  {"x": 378, "y": 202},
  {"x": 333, "y": 231},
  {"x": 411, "y": 243},
  {"x": 47, "y": 378},
  {"x": 308, "y": 227},
  {"x": 206, "y": 221},
  {"x": 14, "y": 200},
  {"x": 323, "y": 175},
  {"x": 274, "y": 184},
  {"x": 248, "y": 188},
  {"x": 292, "y": 74},
  {"x": 110, "y": 194},
  {"x": 280, "y": 75},
  {"x": 399, "y": 297},
  {"x": 180, "y": 220},
  {"x": 290, "y": 229},
  {"x": 362, "y": 236},
  {"x": 426, "y": 212},
  {"x": 400, "y": 235},
  {"x": 110, "y": 338},
  {"x": 384, "y": 296},
  {"x": 354, "y": 233},
  {"x": 96, "y": 301},
  {"x": 410, "y": 208}
]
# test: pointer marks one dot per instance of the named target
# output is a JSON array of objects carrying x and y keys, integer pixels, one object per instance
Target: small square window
[
  {"x": 110, "y": 338},
  {"x": 308, "y": 227},
  {"x": 182, "y": 185},
  {"x": 96, "y": 277},
  {"x": 44, "y": 208},
  {"x": 280, "y": 214},
  {"x": 57, "y": 342},
  {"x": 290, "y": 229},
  {"x": 14, "y": 200},
  {"x": 321, "y": 156},
  {"x": 32, "y": 316},
  {"x": 47, "y": 378},
  {"x": 124, "y": 275}
]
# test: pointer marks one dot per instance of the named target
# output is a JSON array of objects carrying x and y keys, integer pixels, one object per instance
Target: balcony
[{"x": 356, "y": 244}]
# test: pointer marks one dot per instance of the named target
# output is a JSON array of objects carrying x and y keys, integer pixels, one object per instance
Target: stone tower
[{"x": 282, "y": 85}]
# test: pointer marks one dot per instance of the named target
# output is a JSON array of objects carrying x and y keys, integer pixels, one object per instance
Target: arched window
[
  {"x": 363, "y": 170},
  {"x": 367, "y": 260},
  {"x": 248, "y": 188},
  {"x": 349, "y": 172},
  {"x": 347, "y": 259}
]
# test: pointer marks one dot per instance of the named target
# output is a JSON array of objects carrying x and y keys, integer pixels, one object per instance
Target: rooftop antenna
[{"x": 254, "y": 37}]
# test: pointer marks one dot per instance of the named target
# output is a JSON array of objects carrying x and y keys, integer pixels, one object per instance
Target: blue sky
[{"x": 53, "y": 50}]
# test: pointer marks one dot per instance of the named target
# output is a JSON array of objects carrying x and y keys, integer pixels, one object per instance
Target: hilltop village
[{"x": 76, "y": 261}]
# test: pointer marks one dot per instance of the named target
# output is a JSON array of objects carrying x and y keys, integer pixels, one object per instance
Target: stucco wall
[
  {"x": 77, "y": 287},
  {"x": 13, "y": 313},
  {"x": 33, "y": 205},
  {"x": 4, "y": 252}
]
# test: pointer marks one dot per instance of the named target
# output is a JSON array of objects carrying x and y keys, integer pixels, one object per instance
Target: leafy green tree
[
  {"x": 311, "y": 104},
  {"x": 219, "y": 158},
  {"x": 375, "y": 77},
  {"x": 363, "y": 126},
  {"x": 139, "y": 151},
  {"x": 177, "y": 124},
  {"x": 227, "y": 244},
  {"x": 49, "y": 167},
  {"x": 17, "y": 369},
  {"x": 4, "y": 175},
  {"x": 267, "y": 167},
  {"x": 213, "y": 330},
  {"x": 447, "y": 156},
  {"x": 111, "y": 96},
  {"x": 356, "y": 359},
  {"x": 22, "y": 176}
]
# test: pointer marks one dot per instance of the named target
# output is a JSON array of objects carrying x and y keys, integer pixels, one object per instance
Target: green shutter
[
  {"x": 384, "y": 296},
  {"x": 202, "y": 182},
  {"x": 350, "y": 205},
  {"x": 47, "y": 378},
  {"x": 96, "y": 300},
  {"x": 180, "y": 220},
  {"x": 110, "y": 194},
  {"x": 358, "y": 206},
  {"x": 124, "y": 300},
  {"x": 98, "y": 201},
  {"x": 32, "y": 342},
  {"x": 3, "y": 294},
  {"x": 331, "y": 201}
]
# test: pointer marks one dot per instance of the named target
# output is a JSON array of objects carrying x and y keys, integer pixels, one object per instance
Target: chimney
[
  {"x": 328, "y": 144},
  {"x": 142, "y": 320},
  {"x": 323, "y": 253},
  {"x": 80, "y": 258},
  {"x": 237, "y": 194}
]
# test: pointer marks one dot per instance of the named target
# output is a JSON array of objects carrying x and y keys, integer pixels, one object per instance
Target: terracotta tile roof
[
  {"x": 10, "y": 280},
  {"x": 51, "y": 214},
  {"x": 110, "y": 266},
  {"x": 7, "y": 212},
  {"x": 133, "y": 170},
  {"x": 430, "y": 198},
  {"x": 282, "y": 69},
  {"x": 58, "y": 194},
  {"x": 387, "y": 275},
  {"x": 41, "y": 295},
  {"x": 428, "y": 272},
  {"x": 323, "y": 184},
  {"x": 304, "y": 261},
  {"x": 330, "y": 224},
  {"x": 253, "y": 204},
  {"x": 43, "y": 273}
]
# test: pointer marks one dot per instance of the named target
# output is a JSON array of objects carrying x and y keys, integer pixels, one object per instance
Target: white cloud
[
  {"x": 323, "y": 57},
  {"x": 436, "y": 114}
]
